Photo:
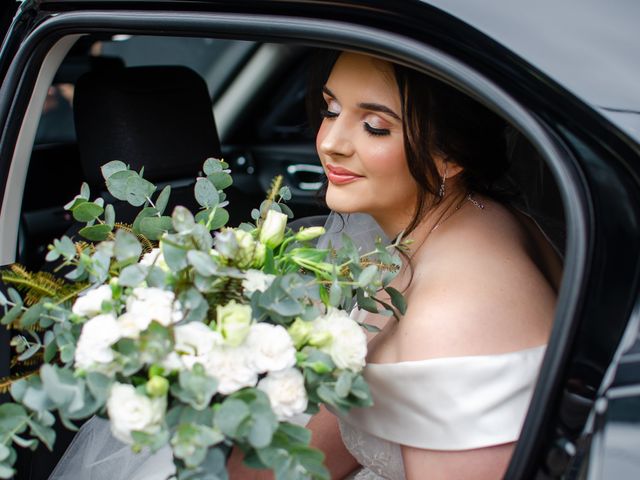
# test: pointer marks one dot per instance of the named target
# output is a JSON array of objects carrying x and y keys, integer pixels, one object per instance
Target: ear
[{"x": 451, "y": 169}]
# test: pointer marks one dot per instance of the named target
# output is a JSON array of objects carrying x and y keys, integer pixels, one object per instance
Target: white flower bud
[
  {"x": 234, "y": 321},
  {"x": 306, "y": 234},
  {"x": 272, "y": 230}
]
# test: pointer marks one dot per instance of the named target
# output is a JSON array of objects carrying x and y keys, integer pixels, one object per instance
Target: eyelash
[{"x": 376, "y": 132}]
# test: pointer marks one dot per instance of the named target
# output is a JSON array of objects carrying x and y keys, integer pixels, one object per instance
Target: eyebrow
[{"x": 374, "y": 107}]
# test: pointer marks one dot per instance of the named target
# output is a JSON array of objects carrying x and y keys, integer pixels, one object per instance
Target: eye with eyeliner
[{"x": 376, "y": 132}]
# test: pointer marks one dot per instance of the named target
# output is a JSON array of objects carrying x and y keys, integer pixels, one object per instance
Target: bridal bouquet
[{"x": 186, "y": 333}]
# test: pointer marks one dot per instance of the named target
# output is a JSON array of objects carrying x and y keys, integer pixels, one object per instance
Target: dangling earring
[{"x": 441, "y": 191}]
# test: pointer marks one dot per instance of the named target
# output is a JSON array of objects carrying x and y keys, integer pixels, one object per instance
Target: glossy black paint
[{"x": 604, "y": 166}]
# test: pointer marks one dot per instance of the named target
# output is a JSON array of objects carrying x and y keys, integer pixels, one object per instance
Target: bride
[{"x": 451, "y": 381}]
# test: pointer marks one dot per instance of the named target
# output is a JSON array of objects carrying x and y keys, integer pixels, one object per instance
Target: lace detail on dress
[{"x": 382, "y": 459}]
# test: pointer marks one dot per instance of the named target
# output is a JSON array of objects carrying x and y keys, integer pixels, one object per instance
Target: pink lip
[{"x": 341, "y": 176}]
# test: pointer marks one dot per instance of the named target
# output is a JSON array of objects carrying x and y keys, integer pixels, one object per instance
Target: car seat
[{"x": 156, "y": 117}]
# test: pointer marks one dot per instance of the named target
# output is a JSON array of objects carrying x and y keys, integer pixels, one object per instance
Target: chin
[{"x": 344, "y": 203}]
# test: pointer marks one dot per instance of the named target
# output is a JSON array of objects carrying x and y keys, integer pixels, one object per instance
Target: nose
[{"x": 334, "y": 139}]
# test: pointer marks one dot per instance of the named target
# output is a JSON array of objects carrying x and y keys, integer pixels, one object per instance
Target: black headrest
[{"x": 159, "y": 118}]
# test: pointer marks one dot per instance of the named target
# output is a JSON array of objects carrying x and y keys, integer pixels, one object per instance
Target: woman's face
[{"x": 360, "y": 142}]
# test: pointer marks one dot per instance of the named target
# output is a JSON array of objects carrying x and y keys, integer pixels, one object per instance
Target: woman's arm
[
  {"x": 325, "y": 436},
  {"x": 489, "y": 463}
]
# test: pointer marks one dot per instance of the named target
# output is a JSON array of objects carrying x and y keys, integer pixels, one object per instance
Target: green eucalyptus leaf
[
  {"x": 367, "y": 276},
  {"x": 174, "y": 256},
  {"x": 132, "y": 275},
  {"x": 108, "y": 169},
  {"x": 214, "y": 218},
  {"x": 12, "y": 418},
  {"x": 138, "y": 190},
  {"x": 202, "y": 263},
  {"x": 77, "y": 200},
  {"x": 163, "y": 199},
  {"x": 212, "y": 165},
  {"x": 183, "y": 221},
  {"x": 154, "y": 227},
  {"x": 335, "y": 294},
  {"x": 117, "y": 183},
  {"x": 220, "y": 180},
  {"x": 85, "y": 191},
  {"x": 397, "y": 300},
  {"x": 285, "y": 193},
  {"x": 31, "y": 317},
  {"x": 13, "y": 313},
  {"x": 343, "y": 385},
  {"x": 109, "y": 215},
  {"x": 44, "y": 433},
  {"x": 286, "y": 210},
  {"x": 96, "y": 233},
  {"x": 206, "y": 193},
  {"x": 87, "y": 211},
  {"x": 230, "y": 415},
  {"x": 146, "y": 212},
  {"x": 126, "y": 246}
]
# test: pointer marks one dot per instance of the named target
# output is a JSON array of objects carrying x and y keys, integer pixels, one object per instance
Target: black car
[{"x": 563, "y": 74}]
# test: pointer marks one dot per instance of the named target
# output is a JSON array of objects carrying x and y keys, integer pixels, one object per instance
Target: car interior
[{"x": 167, "y": 104}]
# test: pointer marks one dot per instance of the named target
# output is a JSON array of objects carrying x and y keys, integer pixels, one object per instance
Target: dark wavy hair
[{"x": 438, "y": 121}]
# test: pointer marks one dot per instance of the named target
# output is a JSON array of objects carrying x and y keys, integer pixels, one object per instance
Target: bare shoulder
[{"x": 477, "y": 289}]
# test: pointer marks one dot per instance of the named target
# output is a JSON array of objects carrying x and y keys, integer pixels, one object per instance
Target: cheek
[{"x": 387, "y": 160}]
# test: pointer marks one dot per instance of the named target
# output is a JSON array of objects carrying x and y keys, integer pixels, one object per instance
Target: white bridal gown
[{"x": 455, "y": 403}]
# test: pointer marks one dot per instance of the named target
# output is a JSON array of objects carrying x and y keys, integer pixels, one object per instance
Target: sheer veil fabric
[{"x": 95, "y": 454}]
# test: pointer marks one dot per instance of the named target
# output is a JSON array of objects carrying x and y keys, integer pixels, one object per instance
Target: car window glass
[{"x": 215, "y": 60}]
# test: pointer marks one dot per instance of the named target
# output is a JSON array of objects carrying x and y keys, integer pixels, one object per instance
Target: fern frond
[
  {"x": 6, "y": 382},
  {"x": 35, "y": 285}
]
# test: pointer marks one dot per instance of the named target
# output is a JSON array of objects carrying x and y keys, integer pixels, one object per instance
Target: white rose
[
  {"x": 194, "y": 341},
  {"x": 255, "y": 280},
  {"x": 286, "y": 392},
  {"x": 131, "y": 325},
  {"x": 271, "y": 348},
  {"x": 231, "y": 367},
  {"x": 272, "y": 230},
  {"x": 90, "y": 304},
  {"x": 234, "y": 321},
  {"x": 152, "y": 303},
  {"x": 131, "y": 411},
  {"x": 93, "y": 350},
  {"x": 348, "y": 344},
  {"x": 154, "y": 257}
]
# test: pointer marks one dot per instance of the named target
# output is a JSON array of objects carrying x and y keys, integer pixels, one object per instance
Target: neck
[{"x": 395, "y": 224}]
